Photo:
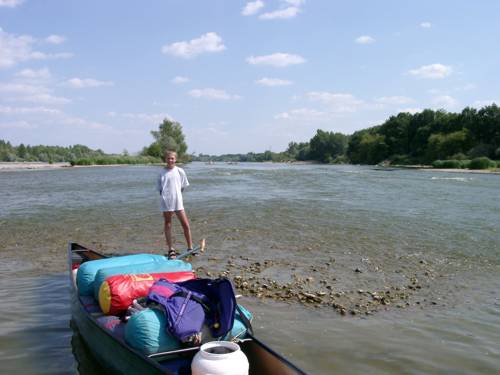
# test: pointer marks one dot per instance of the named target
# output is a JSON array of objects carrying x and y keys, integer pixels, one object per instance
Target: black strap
[{"x": 245, "y": 320}]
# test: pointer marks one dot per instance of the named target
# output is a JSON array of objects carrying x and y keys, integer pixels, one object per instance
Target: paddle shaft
[{"x": 193, "y": 251}]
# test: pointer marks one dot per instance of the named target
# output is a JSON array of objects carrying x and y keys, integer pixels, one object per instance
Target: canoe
[{"x": 116, "y": 356}]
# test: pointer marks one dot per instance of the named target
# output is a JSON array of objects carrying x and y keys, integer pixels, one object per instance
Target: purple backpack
[{"x": 190, "y": 304}]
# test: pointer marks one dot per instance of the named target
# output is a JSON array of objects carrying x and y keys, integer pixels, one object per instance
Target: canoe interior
[{"x": 118, "y": 357}]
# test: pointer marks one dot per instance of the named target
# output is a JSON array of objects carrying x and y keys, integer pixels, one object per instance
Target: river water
[{"x": 433, "y": 237}]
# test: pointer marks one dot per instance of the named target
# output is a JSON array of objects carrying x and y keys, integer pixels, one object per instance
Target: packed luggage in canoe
[{"x": 145, "y": 313}]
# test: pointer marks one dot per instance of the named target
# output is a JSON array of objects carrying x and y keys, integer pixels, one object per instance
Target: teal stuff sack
[
  {"x": 166, "y": 265},
  {"x": 88, "y": 270},
  {"x": 146, "y": 332}
]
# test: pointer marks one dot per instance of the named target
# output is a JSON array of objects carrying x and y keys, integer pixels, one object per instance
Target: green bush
[
  {"x": 109, "y": 160},
  {"x": 342, "y": 159},
  {"x": 447, "y": 164},
  {"x": 459, "y": 156},
  {"x": 84, "y": 161},
  {"x": 482, "y": 163},
  {"x": 400, "y": 160}
]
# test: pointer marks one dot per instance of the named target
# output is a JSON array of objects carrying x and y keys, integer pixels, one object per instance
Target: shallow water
[{"x": 392, "y": 225}]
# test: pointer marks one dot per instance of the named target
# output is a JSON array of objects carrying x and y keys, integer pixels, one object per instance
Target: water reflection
[{"x": 86, "y": 363}]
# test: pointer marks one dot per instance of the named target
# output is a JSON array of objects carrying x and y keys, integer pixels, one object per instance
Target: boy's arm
[
  {"x": 184, "y": 181},
  {"x": 158, "y": 184}
]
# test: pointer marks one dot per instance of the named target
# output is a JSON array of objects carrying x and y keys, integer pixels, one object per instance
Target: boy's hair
[{"x": 168, "y": 152}]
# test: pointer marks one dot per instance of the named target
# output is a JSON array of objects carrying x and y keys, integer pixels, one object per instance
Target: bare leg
[
  {"x": 167, "y": 217},
  {"x": 181, "y": 215}
]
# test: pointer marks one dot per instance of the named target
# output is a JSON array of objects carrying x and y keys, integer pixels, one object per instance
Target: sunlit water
[{"x": 300, "y": 215}]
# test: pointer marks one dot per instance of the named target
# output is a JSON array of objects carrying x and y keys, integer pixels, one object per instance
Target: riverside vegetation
[{"x": 469, "y": 139}]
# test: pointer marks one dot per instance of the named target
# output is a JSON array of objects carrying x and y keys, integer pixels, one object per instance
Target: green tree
[
  {"x": 486, "y": 128},
  {"x": 373, "y": 148},
  {"x": 326, "y": 146},
  {"x": 443, "y": 146},
  {"x": 396, "y": 133},
  {"x": 169, "y": 136},
  {"x": 298, "y": 151}
]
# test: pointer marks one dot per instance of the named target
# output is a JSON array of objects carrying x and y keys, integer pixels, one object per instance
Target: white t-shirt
[{"x": 170, "y": 185}]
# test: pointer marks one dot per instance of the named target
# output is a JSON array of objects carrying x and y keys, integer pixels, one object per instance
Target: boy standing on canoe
[{"x": 171, "y": 183}]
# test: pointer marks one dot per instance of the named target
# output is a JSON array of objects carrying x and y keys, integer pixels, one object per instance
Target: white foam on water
[{"x": 463, "y": 179}]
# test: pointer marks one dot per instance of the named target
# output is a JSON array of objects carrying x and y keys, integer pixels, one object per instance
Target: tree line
[
  {"x": 427, "y": 136},
  {"x": 75, "y": 155},
  {"x": 469, "y": 139},
  {"x": 169, "y": 136}
]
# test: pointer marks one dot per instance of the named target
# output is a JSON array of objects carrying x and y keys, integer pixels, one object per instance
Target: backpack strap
[
  {"x": 245, "y": 320},
  {"x": 183, "y": 307}
]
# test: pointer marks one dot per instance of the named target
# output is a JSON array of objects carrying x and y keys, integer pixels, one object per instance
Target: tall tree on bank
[
  {"x": 169, "y": 136},
  {"x": 326, "y": 146}
]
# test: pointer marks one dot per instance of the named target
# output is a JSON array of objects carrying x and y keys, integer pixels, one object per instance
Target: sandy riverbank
[
  {"x": 13, "y": 166},
  {"x": 16, "y": 166},
  {"x": 430, "y": 169}
]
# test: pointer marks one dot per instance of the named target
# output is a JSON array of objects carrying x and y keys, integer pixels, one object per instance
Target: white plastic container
[{"x": 220, "y": 358}]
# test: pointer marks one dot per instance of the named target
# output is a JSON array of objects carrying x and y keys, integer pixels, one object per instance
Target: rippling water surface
[{"x": 385, "y": 223}]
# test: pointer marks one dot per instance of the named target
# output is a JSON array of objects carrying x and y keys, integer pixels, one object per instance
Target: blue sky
[{"x": 240, "y": 76}]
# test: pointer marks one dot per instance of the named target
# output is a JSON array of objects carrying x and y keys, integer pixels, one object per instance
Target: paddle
[{"x": 193, "y": 251}]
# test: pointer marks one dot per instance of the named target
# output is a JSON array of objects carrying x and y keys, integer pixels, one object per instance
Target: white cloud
[
  {"x": 212, "y": 130},
  {"x": 273, "y": 82},
  {"x": 466, "y": 87},
  {"x": 152, "y": 118},
  {"x": 15, "y": 49},
  {"x": 337, "y": 102},
  {"x": 484, "y": 103},
  {"x": 52, "y": 56},
  {"x": 426, "y": 25},
  {"x": 55, "y": 39},
  {"x": 295, "y": 3},
  {"x": 276, "y": 59},
  {"x": 288, "y": 9},
  {"x": 81, "y": 83},
  {"x": 207, "y": 43},
  {"x": 252, "y": 8},
  {"x": 393, "y": 100},
  {"x": 20, "y": 88},
  {"x": 27, "y": 110},
  {"x": 83, "y": 123},
  {"x": 213, "y": 94},
  {"x": 30, "y": 74},
  {"x": 179, "y": 80},
  {"x": 17, "y": 125},
  {"x": 365, "y": 39},
  {"x": 10, "y": 3},
  {"x": 46, "y": 98},
  {"x": 31, "y": 93},
  {"x": 302, "y": 114},
  {"x": 445, "y": 102},
  {"x": 289, "y": 12},
  {"x": 432, "y": 71}
]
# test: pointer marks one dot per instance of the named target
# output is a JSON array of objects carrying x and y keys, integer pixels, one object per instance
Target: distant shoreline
[
  {"x": 14, "y": 166},
  {"x": 17, "y": 166},
  {"x": 453, "y": 170},
  {"x": 20, "y": 166}
]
